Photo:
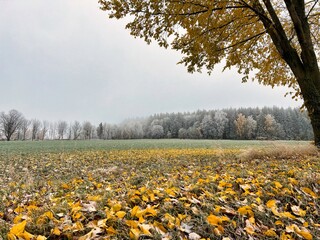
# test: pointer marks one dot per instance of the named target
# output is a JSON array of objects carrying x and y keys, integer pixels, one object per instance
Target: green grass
[{"x": 22, "y": 147}]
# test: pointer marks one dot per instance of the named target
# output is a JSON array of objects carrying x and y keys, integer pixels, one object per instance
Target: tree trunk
[{"x": 310, "y": 89}]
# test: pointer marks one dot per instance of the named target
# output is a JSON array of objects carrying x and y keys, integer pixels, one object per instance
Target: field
[{"x": 159, "y": 189}]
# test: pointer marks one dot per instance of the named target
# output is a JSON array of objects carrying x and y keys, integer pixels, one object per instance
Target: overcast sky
[{"x": 65, "y": 60}]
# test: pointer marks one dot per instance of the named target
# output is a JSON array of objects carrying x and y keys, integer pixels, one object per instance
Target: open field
[
  {"x": 159, "y": 189},
  {"x": 14, "y": 147}
]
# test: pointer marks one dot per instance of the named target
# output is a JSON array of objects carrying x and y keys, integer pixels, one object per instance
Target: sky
[{"x": 66, "y": 60}]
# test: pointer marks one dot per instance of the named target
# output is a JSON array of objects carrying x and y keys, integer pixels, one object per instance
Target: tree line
[{"x": 242, "y": 123}]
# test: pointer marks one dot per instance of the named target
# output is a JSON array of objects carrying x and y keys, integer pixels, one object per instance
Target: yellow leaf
[
  {"x": 48, "y": 214},
  {"x": 19, "y": 209},
  {"x": 116, "y": 207},
  {"x": 134, "y": 234},
  {"x": 249, "y": 227},
  {"x": 17, "y": 219},
  {"x": 151, "y": 212},
  {"x": 132, "y": 224},
  {"x": 214, "y": 220},
  {"x": 145, "y": 198},
  {"x": 145, "y": 229},
  {"x": 41, "y": 237},
  {"x": 134, "y": 211},
  {"x": 305, "y": 234},
  {"x": 309, "y": 191},
  {"x": 278, "y": 222},
  {"x": 18, "y": 228},
  {"x": 111, "y": 231},
  {"x": 120, "y": 214},
  {"x": 26, "y": 236},
  {"x": 11, "y": 236},
  {"x": 249, "y": 230},
  {"x": 271, "y": 203},
  {"x": 56, "y": 231},
  {"x": 245, "y": 210},
  {"x": 159, "y": 226},
  {"x": 270, "y": 233},
  {"x": 278, "y": 185},
  {"x": 288, "y": 215}
]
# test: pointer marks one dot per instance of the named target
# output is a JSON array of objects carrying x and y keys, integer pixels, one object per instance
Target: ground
[{"x": 159, "y": 189}]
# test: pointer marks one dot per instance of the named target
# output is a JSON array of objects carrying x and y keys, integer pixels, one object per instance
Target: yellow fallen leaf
[
  {"x": 277, "y": 185},
  {"x": 134, "y": 211},
  {"x": 271, "y": 203},
  {"x": 249, "y": 227},
  {"x": 120, "y": 214},
  {"x": 246, "y": 210},
  {"x": 305, "y": 234},
  {"x": 111, "y": 231},
  {"x": 56, "y": 231},
  {"x": 214, "y": 220},
  {"x": 40, "y": 237},
  {"x": 134, "y": 234},
  {"x": 116, "y": 207},
  {"x": 270, "y": 233},
  {"x": 288, "y": 215},
  {"x": 26, "y": 236},
  {"x": 309, "y": 191},
  {"x": 18, "y": 228}
]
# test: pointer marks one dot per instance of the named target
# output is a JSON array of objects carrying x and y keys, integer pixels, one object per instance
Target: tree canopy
[
  {"x": 276, "y": 41},
  {"x": 251, "y": 35}
]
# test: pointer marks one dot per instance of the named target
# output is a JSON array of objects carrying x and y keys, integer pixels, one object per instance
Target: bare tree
[
  {"x": 24, "y": 128},
  {"x": 87, "y": 130},
  {"x": 44, "y": 130},
  {"x": 35, "y": 128},
  {"x": 62, "y": 128},
  {"x": 9, "y": 123},
  {"x": 76, "y": 129}
]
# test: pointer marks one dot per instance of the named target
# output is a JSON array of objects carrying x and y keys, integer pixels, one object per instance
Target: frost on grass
[{"x": 159, "y": 194}]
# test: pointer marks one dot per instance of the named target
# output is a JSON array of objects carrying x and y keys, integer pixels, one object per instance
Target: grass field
[
  {"x": 159, "y": 189},
  {"x": 67, "y": 146}
]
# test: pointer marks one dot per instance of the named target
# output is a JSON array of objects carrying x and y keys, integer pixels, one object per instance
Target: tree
[
  {"x": 276, "y": 40},
  {"x": 240, "y": 124},
  {"x": 208, "y": 127},
  {"x": 100, "y": 131},
  {"x": 270, "y": 126},
  {"x": 10, "y": 123},
  {"x": 221, "y": 120},
  {"x": 76, "y": 130},
  {"x": 44, "y": 130},
  {"x": 35, "y": 127},
  {"x": 251, "y": 127},
  {"x": 87, "y": 130},
  {"x": 24, "y": 128},
  {"x": 157, "y": 131},
  {"x": 62, "y": 128}
]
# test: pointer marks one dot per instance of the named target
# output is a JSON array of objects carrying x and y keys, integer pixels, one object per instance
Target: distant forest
[{"x": 243, "y": 123}]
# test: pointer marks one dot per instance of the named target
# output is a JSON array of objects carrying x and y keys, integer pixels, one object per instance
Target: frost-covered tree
[
  {"x": 220, "y": 120},
  {"x": 157, "y": 131},
  {"x": 251, "y": 127}
]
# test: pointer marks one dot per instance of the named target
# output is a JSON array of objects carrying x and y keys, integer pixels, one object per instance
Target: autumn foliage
[{"x": 159, "y": 194}]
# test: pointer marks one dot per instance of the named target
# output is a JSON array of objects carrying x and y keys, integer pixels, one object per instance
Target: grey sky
[{"x": 64, "y": 59}]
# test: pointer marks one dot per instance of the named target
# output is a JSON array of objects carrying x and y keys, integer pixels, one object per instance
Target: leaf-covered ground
[{"x": 159, "y": 194}]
